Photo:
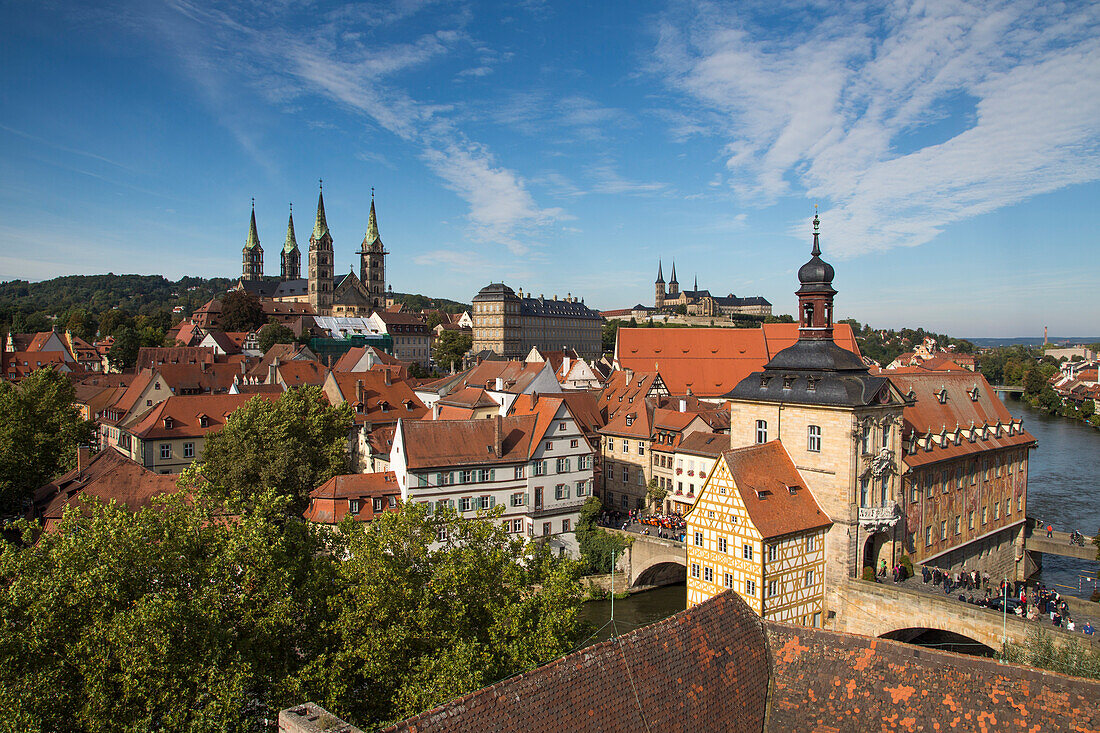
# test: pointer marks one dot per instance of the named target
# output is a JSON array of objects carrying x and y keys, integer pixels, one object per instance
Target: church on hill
[
  {"x": 698, "y": 302},
  {"x": 328, "y": 293}
]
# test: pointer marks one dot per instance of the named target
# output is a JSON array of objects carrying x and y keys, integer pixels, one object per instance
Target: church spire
[
  {"x": 253, "y": 238},
  {"x": 696, "y": 289},
  {"x": 372, "y": 236},
  {"x": 816, "y": 252},
  {"x": 320, "y": 226},
  {"x": 660, "y": 275},
  {"x": 291, "y": 243},
  {"x": 673, "y": 280}
]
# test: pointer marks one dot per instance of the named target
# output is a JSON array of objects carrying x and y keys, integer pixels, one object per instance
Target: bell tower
[
  {"x": 320, "y": 261},
  {"x": 290, "y": 266},
  {"x": 659, "y": 289},
  {"x": 372, "y": 261},
  {"x": 252, "y": 256},
  {"x": 815, "y": 297}
]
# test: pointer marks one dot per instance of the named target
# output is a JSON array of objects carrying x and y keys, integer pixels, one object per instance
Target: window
[
  {"x": 465, "y": 477},
  {"x": 865, "y": 441},
  {"x": 519, "y": 498},
  {"x": 722, "y": 544},
  {"x": 727, "y": 580},
  {"x": 441, "y": 535},
  {"x": 914, "y": 492},
  {"x": 561, "y": 426},
  {"x": 626, "y": 474},
  {"x": 517, "y": 526},
  {"x": 540, "y": 468},
  {"x": 582, "y": 488},
  {"x": 746, "y": 551},
  {"x": 928, "y": 536},
  {"x": 698, "y": 539},
  {"x": 378, "y": 504},
  {"x": 809, "y": 578},
  {"x": 864, "y": 482},
  {"x": 565, "y": 525},
  {"x": 958, "y": 524},
  {"x": 761, "y": 431},
  {"x": 487, "y": 474},
  {"x": 641, "y": 448},
  {"x": 188, "y": 450},
  {"x": 626, "y": 445},
  {"x": 624, "y": 501},
  {"x": 985, "y": 514},
  {"x": 165, "y": 451},
  {"x": 519, "y": 472},
  {"x": 573, "y": 444},
  {"x": 943, "y": 529},
  {"x": 811, "y": 543},
  {"x": 997, "y": 510},
  {"x": 813, "y": 439},
  {"x": 750, "y": 587},
  {"x": 944, "y": 481},
  {"x": 353, "y": 506},
  {"x": 708, "y": 575},
  {"x": 485, "y": 502},
  {"x": 773, "y": 588},
  {"x": 422, "y": 480},
  {"x": 584, "y": 462},
  {"x": 546, "y": 528},
  {"x": 773, "y": 553},
  {"x": 549, "y": 445},
  {"x": 561, "y": 491},
  {"x": 695, "y": 570},
  {"x": 563, "y": 465},
  {"x": 1008, "y": 507},
  {"x": 1020, "y": 503},
  {"x": 885, "y": 436},
  {"x": 817, "y": 620},
  {"x": 465, "y": 504}
]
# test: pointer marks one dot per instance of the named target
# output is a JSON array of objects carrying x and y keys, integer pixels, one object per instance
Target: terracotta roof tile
[
  {"x": 448, "y": 443},
  {"x": 328, "y": 503}
]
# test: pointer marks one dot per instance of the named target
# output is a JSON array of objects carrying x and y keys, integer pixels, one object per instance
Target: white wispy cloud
[{"x": 824, "y": 110}]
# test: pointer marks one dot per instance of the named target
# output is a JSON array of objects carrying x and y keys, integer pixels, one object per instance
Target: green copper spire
[
  {"x": 253, "y": 238},
  {"x": 320, "y": 226},
  {"x": 291, "y": 243},
  {"x": 372, "y": 236}
]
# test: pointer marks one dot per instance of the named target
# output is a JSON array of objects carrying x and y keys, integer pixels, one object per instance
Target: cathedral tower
[
  {"x": 372, "y": 261},
  {"x": 252, "y": 256},
  {"x": 320, "y": 262},
  {"x": 659, "y": 288},
  {"x": 291, "y": 259},
  {"x": 673, "y": 284}
]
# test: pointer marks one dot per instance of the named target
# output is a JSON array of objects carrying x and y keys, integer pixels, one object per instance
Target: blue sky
[{"x": 953, "y": 148}]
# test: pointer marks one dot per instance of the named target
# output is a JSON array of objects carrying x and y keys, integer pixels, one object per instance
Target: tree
[
  {"x": 165, "y": 619},
  {"x": 1033, "y": 382},
  {"x": 290, "y": 446},
  {"x": 124, "y": 351},
  {"x": 609, "y": 334},
  {"x": 274, "y": 333},
  {"x": 434, "y": 319},
  {"x": 423, "y": 619},
  {"x": 451, "y": 347},
  {"x": 241, "y": 311},
  {"x": 654, "y": 494},
  {"x": 39, "y": 434},
  {"x": 82, "y": 324},
  {"x": 598, "y": 547}
]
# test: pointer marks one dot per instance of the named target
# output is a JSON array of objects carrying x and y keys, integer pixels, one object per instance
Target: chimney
[
  {"x": 564, "y": 365},
  {"x": 629, "y": 376},
  {"x": 498, "y": 449},
  {"x": 435, "y": 410},
  {"x": 568, "y": 297},
  {"x": 555, "y": 297},
  {"x": 386, "y": 376},
  {"x": 83, "y": 457},
  {"x": 499, "y": 384},
  {"x": 683, "y": 405},
  {"x": 358, "y": 390},
  {"x": 272, "y": 370}
]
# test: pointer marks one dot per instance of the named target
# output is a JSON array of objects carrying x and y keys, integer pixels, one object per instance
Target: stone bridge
[
  {"x": 650, "y": 561},
  {"x": 856, "y": 606}
]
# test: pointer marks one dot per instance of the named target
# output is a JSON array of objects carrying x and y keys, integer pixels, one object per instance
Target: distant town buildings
[
  {"x": 696, "y": 302},
  {"x": 511, "y": 324}
]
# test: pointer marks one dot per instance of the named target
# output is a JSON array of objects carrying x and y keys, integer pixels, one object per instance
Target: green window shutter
[
  {"x": 439, "y": 479},
  {"x": 492, "y": 474},
  {"x": 492, "y": 501}
]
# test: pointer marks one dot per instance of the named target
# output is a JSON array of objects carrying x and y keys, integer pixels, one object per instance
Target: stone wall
[{"x": 311, "y": 718}]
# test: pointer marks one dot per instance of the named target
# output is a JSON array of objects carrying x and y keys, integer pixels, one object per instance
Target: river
[{"x": 1063, "y": 489}]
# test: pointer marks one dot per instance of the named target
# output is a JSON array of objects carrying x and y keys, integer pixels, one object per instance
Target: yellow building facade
[{"x": 757, "y": 529}]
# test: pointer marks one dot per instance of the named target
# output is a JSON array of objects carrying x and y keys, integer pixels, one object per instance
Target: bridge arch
[
  {"x": 942, "y": 639},
  {"x": 661, "y": 573}
]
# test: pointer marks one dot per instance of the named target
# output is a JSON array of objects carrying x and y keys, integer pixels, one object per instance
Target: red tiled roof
[
  {"x": 452, "y": 443},
  {"x": 157, "y": 355},
  {"x": 298, "y": 373},
  {"x": 710, "y": 362},
  {"x": 203, "y": 377},
  {"x": 712, "y": 445},
  {"x": 625, "y": 388},
  {"x": 762, "y": 475},
  {"x": 372, "y": 399},
  {"x": 109, "y": 476},
  {"x": 184, "y": 415},
  {"x": 12, "y": 364},
  {"x": 470, "y": 397},
  {"x": 350, "y": 360},
  {"x": 635, "y": 421},
  {"x": 328, "y": 503}
]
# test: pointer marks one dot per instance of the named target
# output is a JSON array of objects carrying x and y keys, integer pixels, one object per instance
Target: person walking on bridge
[{"x": 1050, "y": 530}]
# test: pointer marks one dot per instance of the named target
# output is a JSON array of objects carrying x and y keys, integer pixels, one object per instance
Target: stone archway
[
  {"x": 662, "y": 573},
  {"x": 873, "y": 551},
  {"x": 941, "y": 639}
]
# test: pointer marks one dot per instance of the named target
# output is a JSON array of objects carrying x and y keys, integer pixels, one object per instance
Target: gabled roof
[
  {"x": 546, "y": 408},
  {"x": 764, "y": 475},
  {"x": 282, "y": 352},
  {"x": 432, "y": 444},
  {"x": 183, "y": 415},
  {"x": 372, "y": 399},
  {"x": 470, "y": 397},
  {"x": 711, "y": 445},
  {"x": 109, "y": 476},
  {"x": 155, "y": 355},
  {"x": 710, "y": 362},
  {"x": 127, "y": 401},
  {"x": 635, "y": 421},
  {"x": 12, "y": 362},
  {"x": 225, "y": 342},
  {"x": 625, "y": 388},
  {"x": 204, "y": 377},
  {"x": 298, "y": 373},
  {"x": 328, "y": 503}
]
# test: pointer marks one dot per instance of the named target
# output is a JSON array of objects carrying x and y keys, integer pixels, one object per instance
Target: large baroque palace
[{"x": 329, "y": 294}]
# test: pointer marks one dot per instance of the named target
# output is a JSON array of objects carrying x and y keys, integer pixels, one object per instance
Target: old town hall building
[{"x": 328, "y": 293}]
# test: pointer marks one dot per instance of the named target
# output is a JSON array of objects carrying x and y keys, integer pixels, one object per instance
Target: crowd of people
[
  {"x": 1040, "y": 603},
  {"x": 666, "y": 526}
]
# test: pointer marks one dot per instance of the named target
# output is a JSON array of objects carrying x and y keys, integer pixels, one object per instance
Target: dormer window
[
  {"x": 788, "y": 382},
  {"x": 629, "y": 420},
  {"x": 941, "y": 395},
  {"x": 168, "y": 423},
  {"x": 811, "y": 384},
  {"x": 764, "y": 381},
  {"x": 204, "y": 421},
  {"x": 353, "y": 506},
  {"x": 974, "y": 394}
]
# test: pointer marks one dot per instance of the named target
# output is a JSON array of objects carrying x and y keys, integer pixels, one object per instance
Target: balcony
[
  {"x": 879, "y": 517},
  {"x": 551, "y": 508}
]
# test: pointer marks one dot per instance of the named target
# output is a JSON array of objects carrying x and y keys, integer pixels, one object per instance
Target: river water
[{"x": 1063, "y": 489}]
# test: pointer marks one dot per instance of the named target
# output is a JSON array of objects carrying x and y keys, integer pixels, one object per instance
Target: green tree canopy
[
  {"x": 598, "y": 546},
  {"x": 452, "y": 617},
  {"x": 40, "y": 430},
  {"x": 450, "y": 347},
  {"x": 124, "y": 351},
  {"x": 274, "y": 333},
  {"x": 291, "y": 446},
  {"x": 241, "y": 311}
]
